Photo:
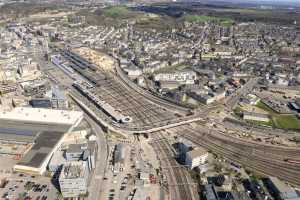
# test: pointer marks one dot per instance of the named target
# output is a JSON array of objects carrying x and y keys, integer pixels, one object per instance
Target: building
[
  {"x": 183, "y": 77},
  {"x": 57, "y": 161},
  {"x": 253, "y": 116},
  {"x": 42, "y": 119},
  {"x": 40, "y": 103},
  {"x": 196, "y": 157},
  {"x": 58, "y": 98},
  {"x": 281, "y": 190},
  {"x": 210, "y": 193},
  {"x": 35, "y": 161},
  {"x": 85, "y": 151},
  {"x": 119, "y": 157},
  {"x": 119, "y": 153},
  {"x": 295, "y": 105},
  {"x": 44, "y": 128},
  {"x": 74, "y": 179},
  {"x": 206, "y": 97}
]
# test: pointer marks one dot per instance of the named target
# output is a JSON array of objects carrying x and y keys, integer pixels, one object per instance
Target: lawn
[
  {"x": 270, "y": 123},
  {"x": 266, "y": 108},
  {"x": 282, "y": 121},
  {"x": 286, "y": 122}
]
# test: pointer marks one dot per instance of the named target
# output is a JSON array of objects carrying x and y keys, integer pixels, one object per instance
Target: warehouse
[
  {"x": 44, "y": 129},
  {"x": 36, "y": 159},
  {"x": 41, "y": 119}
]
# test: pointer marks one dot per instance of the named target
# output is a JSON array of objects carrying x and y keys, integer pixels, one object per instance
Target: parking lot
[
  {"x": 123, "y": 182},
  {"x": 21, "y": 186}
]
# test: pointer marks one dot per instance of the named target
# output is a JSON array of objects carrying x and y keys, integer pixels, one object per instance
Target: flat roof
[
  {"x": 41, "y": 115},
  {"x": 17, "y": 134},
  {"x": 281, "y": 186},
  {"x": 20, "y": 126},
  {"x": 199, "y": 151},
  {"x": 43, "y": 146}
]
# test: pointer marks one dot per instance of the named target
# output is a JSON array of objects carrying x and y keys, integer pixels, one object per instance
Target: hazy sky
[{"x": 287, "y": 2}]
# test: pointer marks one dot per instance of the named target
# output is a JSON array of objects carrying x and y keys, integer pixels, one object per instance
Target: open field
[
  {"x": 282, "y": 121},
  {"x": 205, "y": 18},
  {"x": 286, "y": 122},
  {"x": 266, "y": 108},
  {"x": 117, "y": 11}
]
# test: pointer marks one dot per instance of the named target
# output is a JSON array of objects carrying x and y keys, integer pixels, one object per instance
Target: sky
[{"x": 286, "y": 2}]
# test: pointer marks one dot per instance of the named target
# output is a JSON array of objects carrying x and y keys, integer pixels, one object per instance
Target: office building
[
  {"x": 196, "y": 157},
  {"x": 74, "y": 179}
]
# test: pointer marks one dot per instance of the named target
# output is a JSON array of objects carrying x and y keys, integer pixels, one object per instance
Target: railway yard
[
  {"x": 265, "y": 159},
  {"x": 152, "y": 106},
  {"x": 178, "y": 182},
  {"x": 147, "y": 111},
  {"x": 109, "y": 89}
]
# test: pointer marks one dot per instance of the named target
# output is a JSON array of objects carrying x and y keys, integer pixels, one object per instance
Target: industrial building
[
  {"x": 43, "y": 129},
  {"x": 210, "y": 192},
  {"x": 74, "y": 179},
  {"x": 41, "y": 119},
  {"x": 35, "y": 161},
  {"x": 281, "y": 190},
  {"x": 196, "y": 157}
]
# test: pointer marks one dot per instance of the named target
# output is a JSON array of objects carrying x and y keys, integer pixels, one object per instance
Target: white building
[
  {"x": 41, "y": 116},
  {"x": 52, "y": 124},
  {"x": 252, "y": 116},
  {"x": 184, "y": 77},
  {"x": 196, "y": 157},
  {"x": 74, "y": 178}
]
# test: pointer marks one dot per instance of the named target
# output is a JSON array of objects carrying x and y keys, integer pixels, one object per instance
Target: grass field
[
  {"x": 283, "y": 121},
  {"x": 116, "y": 11},
  {"x": 205, "y": 18},
  {"x": 265, "y": 107},
  {"x": 286, "y": 122}
]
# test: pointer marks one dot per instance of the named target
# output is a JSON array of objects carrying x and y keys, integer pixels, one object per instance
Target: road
[
  {"x": 99, "y": 173},
  {"x": 232, "y": 100}
]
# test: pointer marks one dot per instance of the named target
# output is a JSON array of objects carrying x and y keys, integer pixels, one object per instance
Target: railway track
[
  {"x": 179, "y": 181},
  {"x": 152, "y": 98},
  {"x": 268, "y": 160}
]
